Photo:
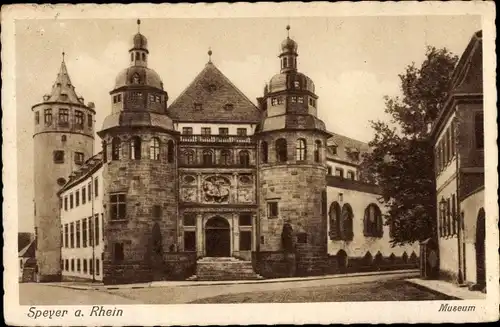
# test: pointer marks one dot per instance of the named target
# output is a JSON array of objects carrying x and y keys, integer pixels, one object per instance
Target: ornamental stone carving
[{"x": 216, "y": 189}]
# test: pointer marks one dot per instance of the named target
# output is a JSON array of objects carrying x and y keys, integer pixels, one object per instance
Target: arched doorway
[
  {"x": 217, "y": 238},
  {"x": 480, "y": 249},
  {"x": 342, "y": 260}
]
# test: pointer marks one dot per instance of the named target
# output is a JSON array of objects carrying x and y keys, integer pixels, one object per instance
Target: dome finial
[
  {"x": 209, "y": 54},
  {"x": 63, "y": 54},
  {"x": 287, "y": 30},
  {"x": 138, "y": 26}
]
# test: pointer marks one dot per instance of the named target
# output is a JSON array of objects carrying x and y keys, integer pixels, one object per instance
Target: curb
[
  {"x": 240, "y": 282},
  {"x": 431, "y": 290}
]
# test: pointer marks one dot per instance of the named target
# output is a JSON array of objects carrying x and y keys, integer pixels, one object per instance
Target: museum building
[{"x": 211, "y": 186}]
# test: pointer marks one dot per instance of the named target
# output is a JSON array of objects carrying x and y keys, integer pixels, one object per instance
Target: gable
[{"x": 213, "y": 91}]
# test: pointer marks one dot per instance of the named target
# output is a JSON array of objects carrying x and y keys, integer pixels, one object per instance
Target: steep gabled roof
[
  {"x": 213, "y": 91},
  {"x": 63, "y": 90},
  {"x": 345, "y": 148}
]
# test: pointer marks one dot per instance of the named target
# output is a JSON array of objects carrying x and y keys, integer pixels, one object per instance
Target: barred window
[
  {"x": 118, "y": 207},
  {"x": 154, "y": 149},
  {"x": 79, "y": 119},
  {"x": 300, "y": 150},
  {"x": 116, "y": 149}
]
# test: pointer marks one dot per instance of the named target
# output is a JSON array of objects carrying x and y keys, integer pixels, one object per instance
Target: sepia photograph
[{"x": 279, "y": 158}]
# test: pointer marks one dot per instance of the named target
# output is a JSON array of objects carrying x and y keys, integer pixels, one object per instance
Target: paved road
[{"x": 358, "y": 288}]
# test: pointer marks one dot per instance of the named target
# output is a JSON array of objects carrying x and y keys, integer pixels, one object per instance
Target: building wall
[
  {"x": 48, "y": 179},
  {"x": 361, "y": 244},
  {"x": 470, "y": 208},
  {"x": 333, "y": 167},
  {"x": 93, "y": 251}
]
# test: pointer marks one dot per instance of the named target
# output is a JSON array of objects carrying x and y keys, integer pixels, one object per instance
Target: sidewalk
[
  {"x": 99, "y": 286},
  {"x": 447, "y": 288}
]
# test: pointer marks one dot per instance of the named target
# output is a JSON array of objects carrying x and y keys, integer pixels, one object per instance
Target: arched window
[
  {"x": 347, "y": 230},
  {"x": 188, "y": 157},
  {"x": 281, "y": 151},
  {"x": 137, "y": 56},
  {"x": 335, "y": 222},
  {"x": 143, "y": 57},
  {"x": 317, "y": 151},
  {"x": 300, "y": 150},
  {"x": 264, "y": 152},
  {"x": 116, "y": 149},
  {"x": 131, "y": 57},
  {"x": 244, "y": 158},
  {"x": 154, "y": 149},
  {"x": 285, "y": 62},
  {"x": 225, "y": 157},
  {"x": 135, "y": 148},
  {"x": 170, "y": 151},
  {"x": 105, "y": 151},
  {"x": 373, "y": 221},
  {"x": 208, "y": 158},
  {"x": 136, "y": 79}
]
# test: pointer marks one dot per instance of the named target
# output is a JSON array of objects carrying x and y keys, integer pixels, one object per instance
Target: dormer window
[
  {"x": 294, "y": 99},
  {"x": 229, "y": 107},
  {"x": 158, "y": 99},
  {"x": 280, "y": 100},
  {"x": 136, "y": 79},
  {"x": 296, "y": 84},
  {"x": 198, "y": 107},
  {"x": 333, "y": 149},
  {"x": 300, "y": 99},
  {"x": 273, "y": 101},
  {"x": 212, "y": 87}
]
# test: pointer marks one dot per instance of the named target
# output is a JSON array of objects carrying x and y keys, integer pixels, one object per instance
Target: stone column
[
  {"x": 254, "y": 232},
  {"x": 236, "y": 233},
  {"x": 199, "y": 236},
  {"x": 198, "y": 191},
  {"x": 235, "y": 188}
]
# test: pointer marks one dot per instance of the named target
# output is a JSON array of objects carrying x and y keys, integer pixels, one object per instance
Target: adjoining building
[
  {"x": 210, "y": 187},
  {"x": 458, "y": 136}
]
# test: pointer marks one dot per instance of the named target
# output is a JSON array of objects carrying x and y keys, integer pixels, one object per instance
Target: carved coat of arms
[{"x": 216, "y": 189}]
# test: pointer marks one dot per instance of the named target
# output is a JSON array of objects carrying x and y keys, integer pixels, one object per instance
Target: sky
[{"x": 353, "y": 61}]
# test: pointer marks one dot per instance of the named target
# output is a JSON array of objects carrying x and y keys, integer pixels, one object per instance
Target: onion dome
[
  {"x": 138, "y": 75},
  {"x": 290, "y": 81},
  {"x": 140, "y": 42}
]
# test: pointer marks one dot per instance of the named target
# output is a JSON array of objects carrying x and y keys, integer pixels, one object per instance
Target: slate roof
[
  {"x": 63, "y": 90},
  {"x": 346, "y": 148},
  {"x": 89, "y": 167},
  {"x": 213, "y": 91}
]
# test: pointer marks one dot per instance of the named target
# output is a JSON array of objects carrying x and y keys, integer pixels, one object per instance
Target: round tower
[
  {"x": 139, "y": 173},
  {"x": 63, "y": 140},
  {"x": 292, "y": 166}
]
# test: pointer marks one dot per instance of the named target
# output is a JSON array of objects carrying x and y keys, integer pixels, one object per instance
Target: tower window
[
  {"x": 47, "y": 116},
  {"x": 118, "y": 207},
  {"x": 37, "y": 117},
  {"x": 79, "y": 119},
  {"x": 272, "y": 209},
  {"x": 294, "y": 99},
  {"x": 63, "y": 117},
  {"x": 301, "y": 150},
  {"x": 244, "y": 158},
  {"x": 137, "y": 56},
  {"x": 285, "y": 62},
  {"x": 143, "y": 57},
  {"x": 79, "y": 158},
  {"x": 170, "y": 151},
  {"x": 317, "y": 151},
  {"x": 135, "y": 148},
  {"x": 300, "y": 99},
  {"x": 116, "y": 149},
  {"x": 131, "y": 57},
  {"x": 296, "y": 84},
  {"x": 58, "y": 156},
  {"x": 281, "y": 150},
  {"x": 89, "y": 120},
  {"x": 264, "y": 152},
  {"x": 154, "y": 149},
  {"x": 136, "y": 96}
]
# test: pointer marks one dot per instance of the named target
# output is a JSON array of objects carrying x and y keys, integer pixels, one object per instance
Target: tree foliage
[{"x": 401, "y": 160}]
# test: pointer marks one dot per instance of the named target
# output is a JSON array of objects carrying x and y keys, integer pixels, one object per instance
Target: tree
[{"x": 401, "y": 157}]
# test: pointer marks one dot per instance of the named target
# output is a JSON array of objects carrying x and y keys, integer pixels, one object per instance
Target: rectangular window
[
  {"x": 245, "y": 240},
  {"x": 77, "y": 198},
  {"x": 329, "y": 170},
  {"x": 245, "y": 219},
  {"x": 79, "y": 158},
  {"x": 273, "y": 101},
  {"x": 118, "y": 254},
  {"x": 454, "y": 214},
  {"x": 294, "y": 99},
  {"x": 72, "y": 235},
  {"x": 189, "y": 219},
  {"x": 72, "y": 264},
  {"x": 96, "y": 228},
  {"x": 189, "y": 241},
  {"x": 66, "y": 265},
  {"x": 272, "y": 209},
  {"x": 151, "y": 98},
  {"x": 59, "y": 157},
  {"x": 187, "y": 130},
  {"x": 47, "y": 116},
  {"x": 448, "y": 217},
  {"x": 96, "y": 187},
  {"x": 79, "y": 119},
  {"x": 450, "y": 151},
  {"x": 71, "y": 201},
  {"x": 89, "y": 120},
  {"x": 339, "y": 172},
  {"x": 78, "y": 265},
  {"x": 300, "y": 99},
  {"x": 84, "y": 195},
  {"x": 118, "y": 207},
  {"x": 66, "y": 236},
  {"x": 89, "y": 192},
  {"x": 280, "y": 100},
  {"x": 135, "y": 96},
  {"x": 63, "y": 117},
  {"x": 84, "y": 266},
  {"x": 66, "y": 203},
  {"x": 78, "y": 234},
  {"x": 91, "y": 232},
  {"x": 198, "y": 107},
  {"x": 479, "y": 130},
  {"x": 241, "y": 132},
  {"x": 158, "y": 99},
  {"x": 445, "y": 148},
  {"x": 206, "y": 131},
  {"x": 84, "y": 232},
  {"x": 223, "y": 131},
  {"x": 351, "y": 175},
  {"x": 97, "y": 267},
  {"x": 37, "y": 117},
  {"x": 91, "y": 267}
]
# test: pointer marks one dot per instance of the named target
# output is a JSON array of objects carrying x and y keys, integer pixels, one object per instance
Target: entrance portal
[
  {"x": 217, "y": 238},
  {"x": 480, "y": 249}
]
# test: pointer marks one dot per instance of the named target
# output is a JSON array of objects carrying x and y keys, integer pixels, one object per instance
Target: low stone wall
[
  {"x": 273, "y": 264},
  {"x": 311, "y": 259},
  {"x": 364, "y": 264},
  {"x": 127, "y": 273},
  {"x": 179, "y": 265}
]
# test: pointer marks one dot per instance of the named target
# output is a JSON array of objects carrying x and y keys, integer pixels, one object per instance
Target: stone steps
[{"x": 224, "y": 268}]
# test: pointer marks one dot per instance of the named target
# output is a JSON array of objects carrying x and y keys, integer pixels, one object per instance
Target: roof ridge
[{"x": 196, "y": 78}]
